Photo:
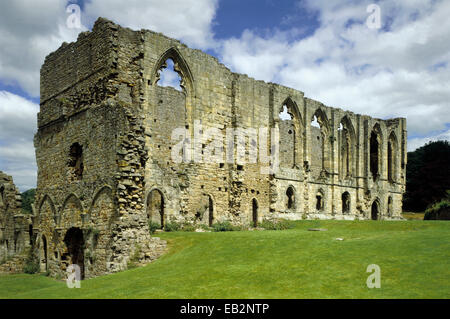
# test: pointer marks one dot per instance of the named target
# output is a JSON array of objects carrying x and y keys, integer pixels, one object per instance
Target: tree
[
  {"x": 427, "y": 175},
  {"x": 27, "y": 200}
]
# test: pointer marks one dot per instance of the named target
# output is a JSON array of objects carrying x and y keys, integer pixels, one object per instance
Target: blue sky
[{"x": 324, "y": 48}]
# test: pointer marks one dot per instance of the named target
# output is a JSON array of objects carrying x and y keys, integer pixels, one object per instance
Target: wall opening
[
  {"x": 375, "y": 211},
  {"x": 319, "y": 144},
  {"x": 43, "y": 254},
  {"x": 255, "y": 212},
  {"x": 210, "y": 211},
  {"x": 155, "y": 207},
  {"x": 390, "y": 208},
  {"x": 374, "y": 155},
  {"x": 392, "y": 158},
  {"x": 288, "y": 136},
  {"x": 345, "y": 147},
  {"x": 290, "y": 198},
  {"x": 319, "y": 201},
  {"x": 2, "y": 196},
  {"x": 74, "y": 241},
  {"x": 345, "y": 203},
  {"x": 76, "y": 165},
  {"x": 169, "y": 77}
]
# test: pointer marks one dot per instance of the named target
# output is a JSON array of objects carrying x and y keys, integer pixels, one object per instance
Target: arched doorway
[
  {"x": 75, "y": 242},
  {"x": 43, "y": 254},
  {"x": 290, "y": 197},
  {"x": 345, "y": 203},
  {"x": 375, "y": 211},
  {"x": 155, "y": 207},
  {"x": 319, "y": 201},
  {"x": 255, "y": 212}
]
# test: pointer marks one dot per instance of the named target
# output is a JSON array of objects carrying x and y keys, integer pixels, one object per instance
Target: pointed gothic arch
[
  {"x": 71, "y": 211},
  {"x": 375, "y": 151},
  {"x": 291, "y": 132},
  {"x": 180, "y": 66},
  {"x": 392, "y": 157},
  {"x": 346, "y": 148},
  {"x": 322, "y": 143}
]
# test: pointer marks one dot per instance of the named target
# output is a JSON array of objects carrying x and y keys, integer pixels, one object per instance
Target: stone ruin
[
  {"x": 104, "y": 151},
  {"x": 15, "y": 227}
]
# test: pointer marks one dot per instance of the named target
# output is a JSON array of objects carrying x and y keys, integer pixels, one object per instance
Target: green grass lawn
[
  {"x": 414, "y": 257},
  {"x": 413, "y": 216}
]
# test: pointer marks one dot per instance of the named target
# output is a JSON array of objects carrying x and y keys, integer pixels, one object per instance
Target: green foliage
[
  {"x": 427, "y": 176},
  {"x": 172, "y": 226},
  {"x": 188, "y": 227},
  {"x": 223, "y": 226},
  {"x": 279, "y": 224},
  {"x": 433, "y": 211},
  {"x": 153, "y": 226},
  {"x": 31, "y": 263},
  {"x": 204, "y": 227},
  {"x": 27, "y": 200}
]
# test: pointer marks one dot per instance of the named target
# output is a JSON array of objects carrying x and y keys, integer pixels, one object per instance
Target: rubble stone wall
[{"x": 14, "y": 226}]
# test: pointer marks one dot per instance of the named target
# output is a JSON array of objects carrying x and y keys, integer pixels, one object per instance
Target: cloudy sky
[{"x": 328, "y": 49}]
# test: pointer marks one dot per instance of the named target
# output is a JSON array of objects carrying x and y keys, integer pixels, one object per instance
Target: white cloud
[
  {"x": 384, "y": 73},
  {"x": 18, "y": 125},
  {"x": 187, "y": 20},
  {"x": 29, "y": 30}
]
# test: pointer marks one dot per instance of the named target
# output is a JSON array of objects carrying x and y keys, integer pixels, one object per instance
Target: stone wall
[
  {"x": 104, "y": 151},
  {"x": 14, "y": 226}
]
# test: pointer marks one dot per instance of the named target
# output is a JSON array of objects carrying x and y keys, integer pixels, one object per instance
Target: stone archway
[
  {"x": 74, "y": 241},
  {"x": 155, "y": 207},
  {"x": 375, "y": 211}
]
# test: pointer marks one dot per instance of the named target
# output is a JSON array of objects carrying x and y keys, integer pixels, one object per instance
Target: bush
[
  {"x": 279, "y": 224},
  {"x": 153, "y": 227},
  {"x": 188, "y": 227},
  {"x": 31, "y": 264},
  {"x": 223, "y": 226},
  {"x": 173, "y": 226},
  {"x": 439, "y": 210}
]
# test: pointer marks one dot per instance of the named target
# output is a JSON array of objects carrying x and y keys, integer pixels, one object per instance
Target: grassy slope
[{"x": 414, "y": 257}]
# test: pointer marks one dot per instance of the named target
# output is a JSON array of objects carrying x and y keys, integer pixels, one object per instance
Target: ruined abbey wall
[
  {"x": 14, "y": 226},
  {"x": 104, "y": 151}
]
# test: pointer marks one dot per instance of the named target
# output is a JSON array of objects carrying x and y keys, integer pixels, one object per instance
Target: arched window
[
  {"x": 392, "y": 157},
  {"x": 375, "y": 150},
  {"x": 346, "y": 142},
  {"x": 345, "y": 203},
  {"x": 168, "y": 76},
  {"x": 290, "y": 131},
  {"x": 319, "y": 143}
]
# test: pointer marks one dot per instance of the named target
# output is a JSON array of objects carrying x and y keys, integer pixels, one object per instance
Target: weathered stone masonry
[
  {"x": 103, "y": 150},
  {"x": 15, "y": 229}
]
